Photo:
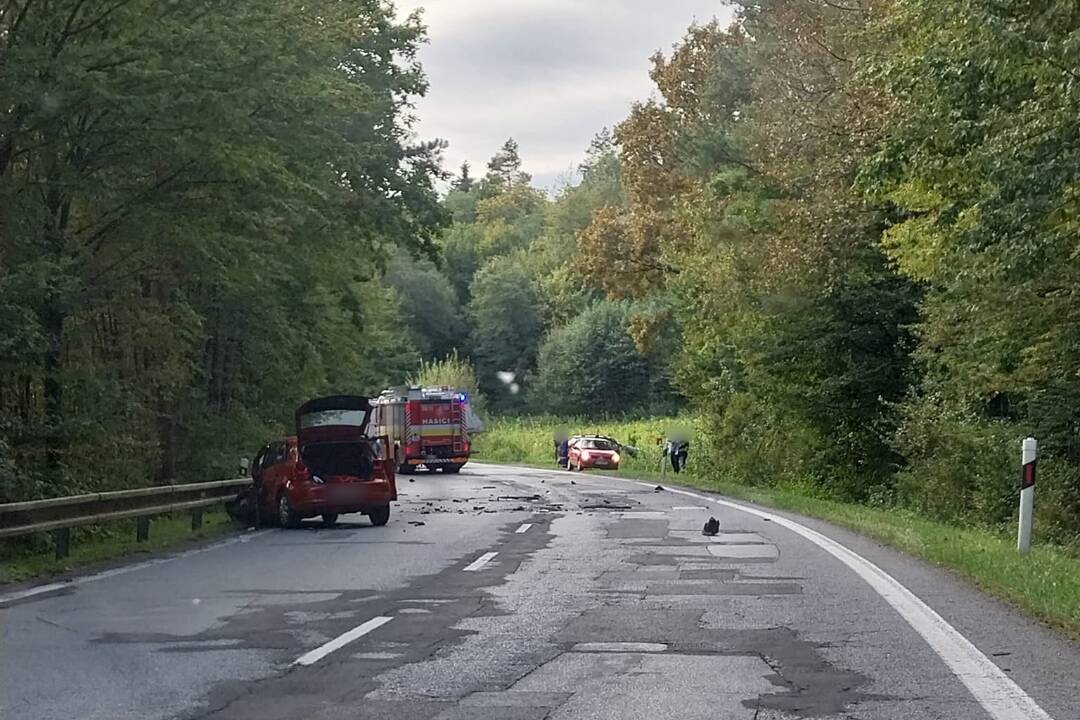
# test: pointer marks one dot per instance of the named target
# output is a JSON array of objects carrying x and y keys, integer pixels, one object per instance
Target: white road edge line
[
  {"x": 125, "y": 569},
  {"x": 341, "y": 641},
  {"x": 31, "y": 592},
  {"x": 999, "y": 695},
  {"x": 479, "y": 562},
  {"x": 524, "y": 528}
]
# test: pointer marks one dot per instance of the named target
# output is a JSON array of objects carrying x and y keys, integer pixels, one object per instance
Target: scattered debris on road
[
  {"x": 658, "y": 488},
  {"x": 518, "y": 497},
  {"x": 417, "y": 523},
  {"x": 712, "y": 527}
]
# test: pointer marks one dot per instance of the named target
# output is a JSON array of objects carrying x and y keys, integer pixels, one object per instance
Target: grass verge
[
  {"x": 33, "y": 558},
  {"x": 1045, "y": 583}
]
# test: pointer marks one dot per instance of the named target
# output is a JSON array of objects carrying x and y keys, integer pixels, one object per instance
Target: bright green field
[
  {"x": 531, "y": 440},
  {"x": 1045, "y": 583}
]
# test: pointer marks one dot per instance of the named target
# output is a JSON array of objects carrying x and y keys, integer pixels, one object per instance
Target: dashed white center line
[
  {"x": 524, "y": 528},
  {"x": 341, "y": 641},
  {"x": 689, "y": 507},
  {"x": 480, "y": 562}
]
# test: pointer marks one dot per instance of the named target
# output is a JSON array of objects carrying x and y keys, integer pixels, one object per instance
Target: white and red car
[{"x": 593, "y": 452}]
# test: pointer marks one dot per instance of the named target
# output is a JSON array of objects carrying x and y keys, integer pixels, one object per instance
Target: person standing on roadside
[
  {"x": 562, "y": 447},
  {"x": 677, "y": 448}
]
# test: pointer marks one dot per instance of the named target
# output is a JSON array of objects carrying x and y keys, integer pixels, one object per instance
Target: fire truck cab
[{"x": 426, "y": 426}]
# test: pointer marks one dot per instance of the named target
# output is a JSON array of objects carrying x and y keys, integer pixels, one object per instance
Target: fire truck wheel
[
  {"x": 380, "y": 515},
  {"x": 329, "y": 518},
  {"x": 406, "y": 469},
  {"x": 451, "y": 468}
]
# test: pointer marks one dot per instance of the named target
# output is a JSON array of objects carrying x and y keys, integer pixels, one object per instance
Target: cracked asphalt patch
[{"x": 596, "y": 612}]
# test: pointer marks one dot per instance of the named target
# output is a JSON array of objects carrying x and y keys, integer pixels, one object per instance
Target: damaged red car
[
  {"x": 329, "y": 468},
  {"x": 593, "y": 451}
]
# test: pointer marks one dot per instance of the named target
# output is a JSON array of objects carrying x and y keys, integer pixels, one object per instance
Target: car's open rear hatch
[{"x": 331, "y": 433}]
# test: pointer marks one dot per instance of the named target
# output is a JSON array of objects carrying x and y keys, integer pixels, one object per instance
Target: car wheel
[
  {"x": 579, "y": 467},
  {"x": 287, "y": 516},
  {"x": 380, "y": 515},
  {"x": 329, "y": 518}
]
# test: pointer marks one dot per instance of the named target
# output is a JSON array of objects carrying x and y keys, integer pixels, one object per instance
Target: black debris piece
[
  {"x": 658, "y": 488},
  {"x": 712, "y": 527}
]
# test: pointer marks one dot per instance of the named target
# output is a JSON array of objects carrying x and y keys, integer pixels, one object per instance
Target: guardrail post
[
  {"x": 142, "y": 528},
  {"x": 62, "y": 541},
  {"x": 196, "y": 518}
]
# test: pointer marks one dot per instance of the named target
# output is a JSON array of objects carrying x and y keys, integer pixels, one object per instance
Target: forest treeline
[
  {"x": 864, "y": 217},
  {"x": 844, "y": 233},
  {"x": 196, "y": 203}
]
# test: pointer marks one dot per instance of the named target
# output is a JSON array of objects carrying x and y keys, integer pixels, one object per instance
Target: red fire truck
[{"x": 426, "y": 426}]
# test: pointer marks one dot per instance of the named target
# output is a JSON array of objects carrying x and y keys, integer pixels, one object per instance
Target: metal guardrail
[{"x": 61, "y": 514}]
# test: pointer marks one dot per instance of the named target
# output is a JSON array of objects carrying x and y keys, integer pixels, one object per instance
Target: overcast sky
[{"x": 550, "y": 73}]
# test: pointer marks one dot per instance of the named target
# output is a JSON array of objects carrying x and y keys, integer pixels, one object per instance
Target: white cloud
[{"x": 550, "y": 73}]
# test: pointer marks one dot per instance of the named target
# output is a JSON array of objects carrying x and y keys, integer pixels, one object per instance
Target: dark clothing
[
  {"x": 678, "y": 451},
  {"x": 562, "y": 452}
]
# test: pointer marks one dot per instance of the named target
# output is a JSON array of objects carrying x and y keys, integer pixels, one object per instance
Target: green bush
[{"x": 591, "y": 365}]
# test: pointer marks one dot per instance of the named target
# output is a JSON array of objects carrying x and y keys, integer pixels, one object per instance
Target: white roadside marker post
[{"x": 1027, "y": 494}]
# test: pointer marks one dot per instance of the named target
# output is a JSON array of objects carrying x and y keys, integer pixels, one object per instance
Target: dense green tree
[
  {"x": 192, "y": 200},
  {"x": 981, "y": 162},
  {"x": 504, "y": 169},
  {"x": 464, "y": 181},
  {"x": 592, "y": 367},
  {"x": 433, "y": 313},
  {"x": 507, "y": 328}
]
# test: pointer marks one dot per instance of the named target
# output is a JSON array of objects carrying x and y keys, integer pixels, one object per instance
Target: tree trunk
[
  {"x": 167, "y": 437},
  {"x": 55, "y": 432},
  {"x": 53, "y": 315}
]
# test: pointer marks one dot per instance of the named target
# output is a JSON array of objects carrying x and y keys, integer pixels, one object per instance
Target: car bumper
[
  {"x": 598, "y": 465},
  {"x": 341, "y": 498},
  {"x": 437, "y": 461}
]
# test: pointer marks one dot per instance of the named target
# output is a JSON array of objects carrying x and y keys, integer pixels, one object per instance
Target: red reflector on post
[{"x": 1028, "y": 479}]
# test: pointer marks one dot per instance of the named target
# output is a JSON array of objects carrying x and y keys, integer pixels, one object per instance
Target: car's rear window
[
  {"x": 324, "y": 418},
  {"x": 597, "y": 444}
]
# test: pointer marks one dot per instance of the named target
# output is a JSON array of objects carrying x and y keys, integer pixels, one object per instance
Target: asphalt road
[{"x": 531, "y": 594}]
